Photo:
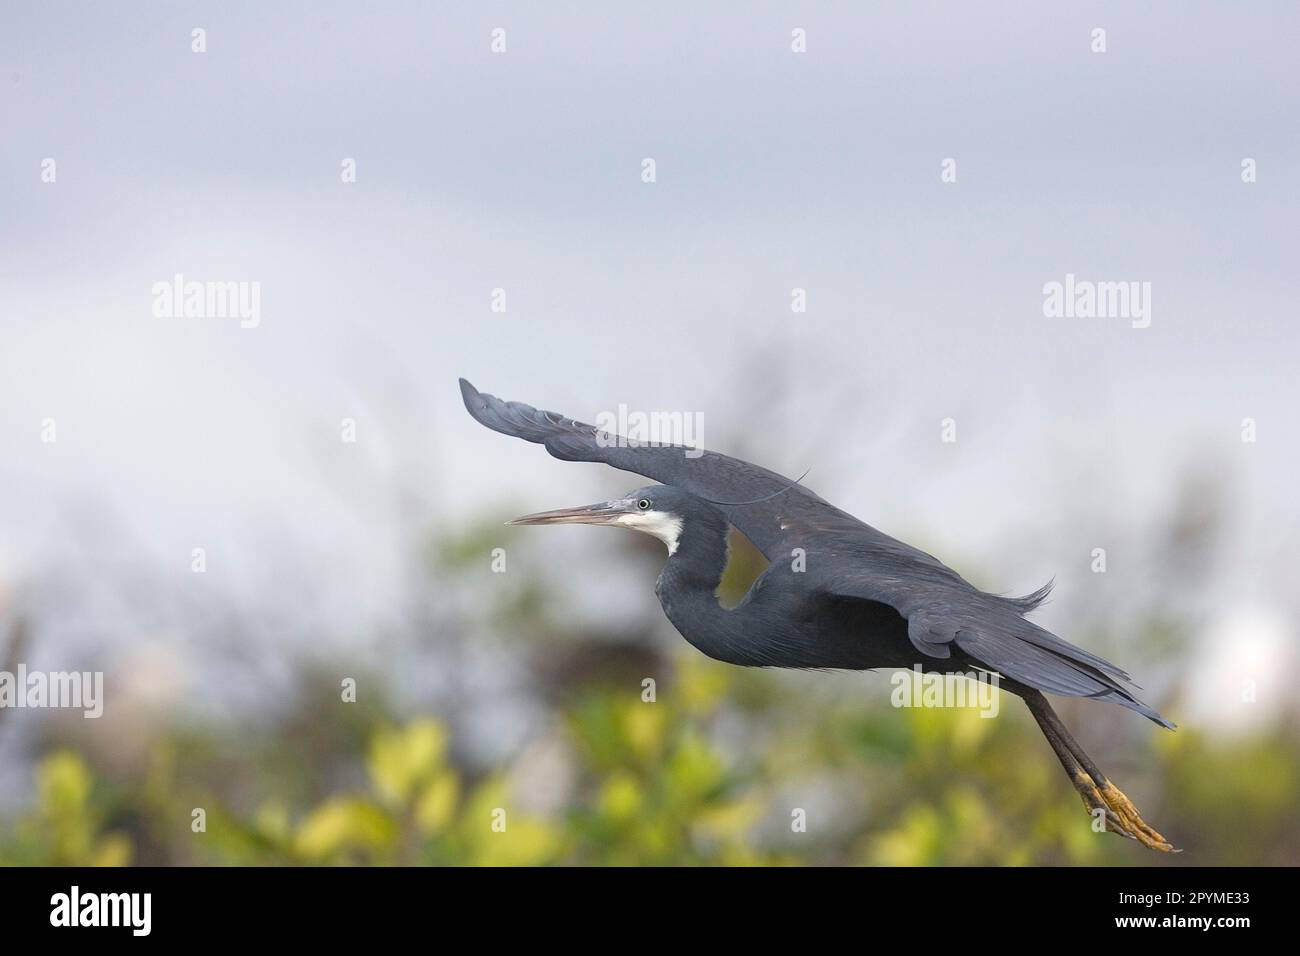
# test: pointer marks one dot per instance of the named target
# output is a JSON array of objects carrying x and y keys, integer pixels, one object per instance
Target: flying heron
[{"x": 858, "y": 599}]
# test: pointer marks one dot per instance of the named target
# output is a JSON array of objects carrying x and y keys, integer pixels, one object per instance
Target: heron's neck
[{"x": 687, "y": 589}]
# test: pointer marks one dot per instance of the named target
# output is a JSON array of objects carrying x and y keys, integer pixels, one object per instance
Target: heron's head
[{"x": 657, "y": 510}]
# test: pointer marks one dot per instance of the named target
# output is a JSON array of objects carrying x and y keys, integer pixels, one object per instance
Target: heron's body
[
  {"x": 836, "y": 594},
  {"x": 780, "y": 622}
]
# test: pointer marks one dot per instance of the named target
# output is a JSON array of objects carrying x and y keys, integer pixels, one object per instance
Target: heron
[{"x": 855, "y": 599}]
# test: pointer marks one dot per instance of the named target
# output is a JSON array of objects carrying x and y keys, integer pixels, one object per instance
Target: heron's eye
[{"x": 643, "y": 504}]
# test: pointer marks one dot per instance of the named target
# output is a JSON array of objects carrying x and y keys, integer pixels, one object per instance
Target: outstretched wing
[
  {"x": 844, "y": 558},
  {"x": 720, "y": 479}
]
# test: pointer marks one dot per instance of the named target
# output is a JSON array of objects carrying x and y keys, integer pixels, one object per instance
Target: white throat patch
[{"x": 664, "y": 526}]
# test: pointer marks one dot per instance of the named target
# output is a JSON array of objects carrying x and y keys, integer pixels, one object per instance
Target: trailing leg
[{"x": 1096, "y": 790}]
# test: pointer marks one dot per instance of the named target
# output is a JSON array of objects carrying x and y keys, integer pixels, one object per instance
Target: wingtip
[{"x": 469, "y": 395}]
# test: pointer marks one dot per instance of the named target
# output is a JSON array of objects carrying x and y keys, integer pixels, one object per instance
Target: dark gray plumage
[{"x": 862, "y": 599}]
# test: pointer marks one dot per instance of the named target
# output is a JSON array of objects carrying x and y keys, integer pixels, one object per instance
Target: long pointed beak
[{"x": 606, "y": 512}]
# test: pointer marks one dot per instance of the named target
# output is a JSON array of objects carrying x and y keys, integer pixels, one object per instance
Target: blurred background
[{"x": 328, "y": 559}]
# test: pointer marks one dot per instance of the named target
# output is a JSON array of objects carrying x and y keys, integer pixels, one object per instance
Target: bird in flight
[{"x": 859, "y": 600}]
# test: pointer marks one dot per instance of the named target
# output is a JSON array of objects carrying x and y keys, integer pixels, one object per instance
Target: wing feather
[{"x": 717, "y": 478}]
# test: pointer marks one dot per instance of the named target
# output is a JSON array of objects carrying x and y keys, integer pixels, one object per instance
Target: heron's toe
[
  {"x": 1131, "y": 820},
  {"x": 1121, "y": 816}
]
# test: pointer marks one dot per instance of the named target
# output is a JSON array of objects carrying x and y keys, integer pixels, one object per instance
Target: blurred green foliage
[
  {"x": 67, "y": 827},
  {"x": 650, "y": 787}
]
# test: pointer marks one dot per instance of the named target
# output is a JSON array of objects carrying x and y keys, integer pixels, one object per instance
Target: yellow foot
[
  {"x": 1131, "y": 821},
  {"x": 1121, "y": 816}
]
